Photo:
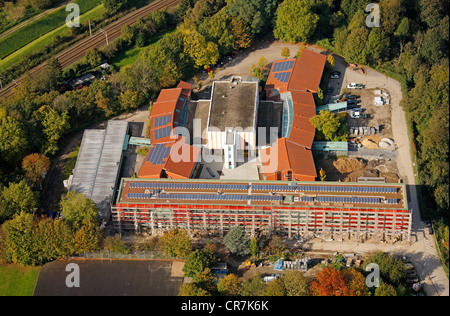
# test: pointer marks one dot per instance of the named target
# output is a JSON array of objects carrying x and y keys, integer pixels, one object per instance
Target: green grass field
[
  {"x": 16, "y": 280},
  {"x": 40, "y": 27},
  {"x": 130, "y": 55},
  {"x": 40, "y": 43}
]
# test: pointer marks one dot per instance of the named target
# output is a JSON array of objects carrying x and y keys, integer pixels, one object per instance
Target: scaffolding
[{"x": 299, "y": 221}]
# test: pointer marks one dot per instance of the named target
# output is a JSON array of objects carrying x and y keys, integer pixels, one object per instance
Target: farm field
[
  {"x": 44, "y": 40},
  {"x": 40, "y": 27}
]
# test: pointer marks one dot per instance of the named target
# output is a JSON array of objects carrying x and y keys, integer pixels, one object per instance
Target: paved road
[{"x": 422, "y": 249}]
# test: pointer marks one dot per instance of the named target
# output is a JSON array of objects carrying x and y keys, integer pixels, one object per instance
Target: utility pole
[
  {"x": 106, "y": 35},
  {"x": 90, "y": 30}
]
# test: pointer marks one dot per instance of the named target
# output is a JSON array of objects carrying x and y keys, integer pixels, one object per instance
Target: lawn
[
  {"x": 130, "y": 55},
  {"x": 40, "y": 27},
  {"x": 16, "y": 280},
  {"x": 41, "y": 42}
]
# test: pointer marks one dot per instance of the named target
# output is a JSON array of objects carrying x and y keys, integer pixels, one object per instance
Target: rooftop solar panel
[
  {"x": 158, "y": 154},
  {"x": 283, "y": 66},
  {"x": 162, "y": 132},
  {"x": 162, "y": 120},
  {"x": 283, "y": 76}
]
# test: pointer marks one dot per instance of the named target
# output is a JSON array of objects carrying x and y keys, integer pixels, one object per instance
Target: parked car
[
  {"x": 354, "y": 85},
  {"x": 335, "y": 75}
]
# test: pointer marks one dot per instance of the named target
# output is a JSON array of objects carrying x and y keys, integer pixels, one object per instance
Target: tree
[
  {"x": 192, "y": 289},
  {"x": 115, "y": 244},
  {"x": 17, "y": 198},
  {"x": 76, "y": 208},
  {"x": 54, "y": 126},
  {"x": 87, "y": 237},
  {"x": 391, "y": 268},
  {"x": 295, "y": 21},
  {"x": 356, "y": 282},
  {"x": 114, "y": 5},
  {"x": 328, "y": 123},
  {"x": 322, "y": 174},
  {"x": 275, "y": 288},
  {"x": 295, "y": 283},
  {"x": 229, "y": 286},
  {"x": 19, "y": 239},
  {"x": 237, "y": 241},
  {"x": 35, "y": 167},
  {"x": 203, "y": 53},
  {"x": 260, "y": 69},
  {"x": 14, "y": 140},
  {"x": 254, "y": 247},
  {"x": 197, "y": 261},
  {"x": 253, "y": 287},
  {"x": 329, "y": 282},
  {"x": 131, "y": 100},
  {"x": 285, "y": 52},
  {"x": 177, "y": 243},
  {"x": 385, "y": 290},
  {"x": 93, "y": 57},
  {"x": 276, "y": 246},
  {"x": 206, "y": 281}
]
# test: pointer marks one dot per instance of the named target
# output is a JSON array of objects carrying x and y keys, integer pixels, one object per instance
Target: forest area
[{"x": 411, "y": 45}]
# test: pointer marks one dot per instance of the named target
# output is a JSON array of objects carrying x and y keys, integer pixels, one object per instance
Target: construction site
[{"x": 267, "y": 186}]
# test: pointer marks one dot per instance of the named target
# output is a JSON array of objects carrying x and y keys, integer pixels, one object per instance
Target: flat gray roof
[
  {"x": 98, "y": 164},
  {"x": 233, "y": 104}
]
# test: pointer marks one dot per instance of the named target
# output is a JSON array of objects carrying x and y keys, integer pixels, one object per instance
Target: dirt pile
[
  {"x": 349, "y": 164},
  {"x": 371, "y": 142}
]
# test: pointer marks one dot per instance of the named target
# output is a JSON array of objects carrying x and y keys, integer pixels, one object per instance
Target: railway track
[{"x": 78, "y": 50}]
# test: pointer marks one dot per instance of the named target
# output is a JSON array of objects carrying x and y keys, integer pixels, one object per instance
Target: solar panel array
[
  {"x": 283, "y": 76},
  {"x": 393, "y": 201},
  {"x": 221, "y": 197},
  {"x": 274, "y": 188},
  {"x": 158, "y": 154},
  {"x": 139, "y": 196},
  {"x": 325, "y": 188},
  {"x": 188, "y": 186},
  {"x": 162, "y": 132},
  {"x": 339, "y": 199},
  {"x": 162, "y": 120},
  {"x": 283, "y": 66}
]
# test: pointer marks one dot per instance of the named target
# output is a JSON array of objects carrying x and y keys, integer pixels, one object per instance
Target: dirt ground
[{"x": 348, "y": 169}]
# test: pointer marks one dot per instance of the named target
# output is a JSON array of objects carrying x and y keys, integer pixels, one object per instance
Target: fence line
[{"x": 142, "y": 255}]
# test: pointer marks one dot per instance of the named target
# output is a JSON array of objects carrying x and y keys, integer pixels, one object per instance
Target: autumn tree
[
  {"x": 192, "y": 289},
  {"x": 204, "y": 54},
  {"x": 296, "y": 283},
  {"x": 285, "y": 52},
  {"x": 356, "y": 282},
  {"x": 253, "y": 287},
  {"x": 329, "y": 282},
  {"x": 177, "y": 243},
  {"x": 229, "y": 286},
  {"x": 35, "y": 166},
  {"x": 275, "y": 288}
]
